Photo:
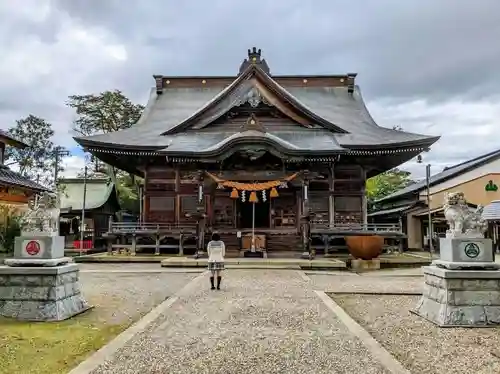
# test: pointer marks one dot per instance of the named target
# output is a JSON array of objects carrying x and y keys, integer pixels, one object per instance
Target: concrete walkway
[{"x": 262, "y": 321}]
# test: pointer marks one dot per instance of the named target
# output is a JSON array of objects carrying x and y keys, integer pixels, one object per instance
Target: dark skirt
[{"x": 213, "y": 266}]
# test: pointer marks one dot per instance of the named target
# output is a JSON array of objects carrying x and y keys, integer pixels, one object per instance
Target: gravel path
[
  {"x": 367, "y": 283},
  {"x": 433, "y": 350},
  {"x": 260, "y": 322},
  {"x": 124, "y": 297}
]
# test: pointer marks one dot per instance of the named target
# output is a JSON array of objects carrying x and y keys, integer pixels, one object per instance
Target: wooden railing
[
  {"x": 376, "y": 227},
  {"x": 134, "y": 227},
  {"x": 137, "y": 227}
]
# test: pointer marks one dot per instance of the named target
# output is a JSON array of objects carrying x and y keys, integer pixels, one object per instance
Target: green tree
[
  {"x": 10, "y": 227},
  {"x": 102, "y": 113},
  {"x": 106, "y": 112},
  {"x": 38, "y": 160},
  {"x": 387, "y": 183}
]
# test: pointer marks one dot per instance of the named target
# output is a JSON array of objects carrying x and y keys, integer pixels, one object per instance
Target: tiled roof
[
  {"x": 332, "y": 105},
  {"x": 9, "y": 139},
  {"x": 384, "y": 212},
  {"x": 445, "y": 175},
  {"x": 12, "y": 178}
]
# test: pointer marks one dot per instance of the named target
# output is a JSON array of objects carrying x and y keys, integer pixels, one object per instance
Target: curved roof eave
[
  {"x": 281, "y": 145},
  {"x": 425, "y": 142}
]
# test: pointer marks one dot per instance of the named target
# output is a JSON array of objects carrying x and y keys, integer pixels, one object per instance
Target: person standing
[{"x": 216, "y": 251}]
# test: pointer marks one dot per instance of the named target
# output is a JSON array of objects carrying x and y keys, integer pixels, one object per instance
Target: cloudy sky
[{"x": 430, "y": 66}]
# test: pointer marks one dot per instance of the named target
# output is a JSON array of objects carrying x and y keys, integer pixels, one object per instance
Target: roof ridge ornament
[{"x": 254, "y": 58}]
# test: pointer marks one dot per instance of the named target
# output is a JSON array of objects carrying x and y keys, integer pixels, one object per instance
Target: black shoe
[
  {"x": 212, "y": 283},
  {"x": 218, "y": 282}
]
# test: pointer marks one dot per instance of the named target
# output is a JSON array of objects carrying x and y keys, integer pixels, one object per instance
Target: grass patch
[{"x": 51, "y": 347}]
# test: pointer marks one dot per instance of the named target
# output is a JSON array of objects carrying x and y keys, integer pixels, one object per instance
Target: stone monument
[
  {"x": 462, "y": 288},
  {"x": 39, "y": 283}
]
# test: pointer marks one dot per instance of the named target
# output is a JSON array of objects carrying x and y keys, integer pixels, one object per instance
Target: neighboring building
[
  {"x": 478, "y": 179},
  {"x": 15, "y": 190},
  {"x": 294, "y": 143},
  {"x": 101, "y": 205}
]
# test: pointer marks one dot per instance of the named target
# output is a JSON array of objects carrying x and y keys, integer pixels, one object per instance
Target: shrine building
[{"x": 256, "y": 150}]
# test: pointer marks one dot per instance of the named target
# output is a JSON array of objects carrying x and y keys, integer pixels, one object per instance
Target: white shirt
[{"x": 216, "y": 251}]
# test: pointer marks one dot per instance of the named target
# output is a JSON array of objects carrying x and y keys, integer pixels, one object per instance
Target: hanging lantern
[
  {"x": 264, "y": 197},
  {"x": 253, "y": 197},
  {"x": 234, "y": 193},
  {"x": 243, "y": 196},
  {"x": 273, "y": 193}
]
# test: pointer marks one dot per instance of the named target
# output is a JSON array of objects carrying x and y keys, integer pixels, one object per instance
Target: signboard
[{"x": 33, "y": 248}]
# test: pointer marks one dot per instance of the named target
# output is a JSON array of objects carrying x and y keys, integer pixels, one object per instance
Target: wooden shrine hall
[{"x": 284, "y": 157}]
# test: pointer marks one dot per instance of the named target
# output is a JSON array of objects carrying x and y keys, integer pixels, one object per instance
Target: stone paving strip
[
  {"x": 262, "y": 321},
  {"x": 129, "y": 268},
  {"x": 366, "y": 283}
]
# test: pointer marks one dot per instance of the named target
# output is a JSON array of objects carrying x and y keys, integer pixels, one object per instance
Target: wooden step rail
[
  {"x": 138, "y": 227},
  {"x": 375, "y": 227}
]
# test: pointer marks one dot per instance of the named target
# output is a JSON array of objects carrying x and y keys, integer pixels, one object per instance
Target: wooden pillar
[
  {"x": 364, "y": 200},
  {"x": 157, "y": 244},
  {"x": 145, "y": 200},
  {"x": 110, "y": 239},
  {"x": 305, "y": 218},
  {"x": 298, "y": 199},
  {"x": 177, "y": 189},
  {"x": 331, "y": 197},
  {"x": 134, "y": 245},
  {"x": 2, "y": 153},
  {"x": 200, "y": 214},
  {"x": 181, "y": 244}
]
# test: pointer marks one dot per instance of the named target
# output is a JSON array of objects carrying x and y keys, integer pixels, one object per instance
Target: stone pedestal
[
  {"x": 38, "y": 250},
  {"x": 460, "y": 298},
  {"x": 39, "y": 283},
  {"x": 41, "y": 293},
  {"x": 465, "y": 253},
  {"x": 361, "y": 265}
]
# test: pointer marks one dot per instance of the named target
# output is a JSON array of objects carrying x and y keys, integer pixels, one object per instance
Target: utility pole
[
  {"x": 82, "y": 227},
  {"x": 429, "y": 214},
  {"x": 58, "y": 153}
]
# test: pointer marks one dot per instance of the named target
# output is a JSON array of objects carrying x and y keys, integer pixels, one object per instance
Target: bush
[{"x": 10, "y": 227}]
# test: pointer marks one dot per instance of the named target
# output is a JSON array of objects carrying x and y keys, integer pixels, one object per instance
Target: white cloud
[
  {"x": 467, "y": 128},
  {"x": 43, "y": 72},
  {"x": 54, "y": 49},
  {"x": 73, "y": 165}
]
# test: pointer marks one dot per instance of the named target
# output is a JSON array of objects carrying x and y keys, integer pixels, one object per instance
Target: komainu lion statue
[
  {"x": 43, "y": 214},
  {"x": 462, "y": 221}
]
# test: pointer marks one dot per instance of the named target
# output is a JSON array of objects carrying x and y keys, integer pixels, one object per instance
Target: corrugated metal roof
[
  {"x": 491, "y": 212},
  {"x": 445, "y": 175},
  {"x": 98, "y": 193},
  {"x": 390, "y": 211},
  {"x": 11, "y": 178}
]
